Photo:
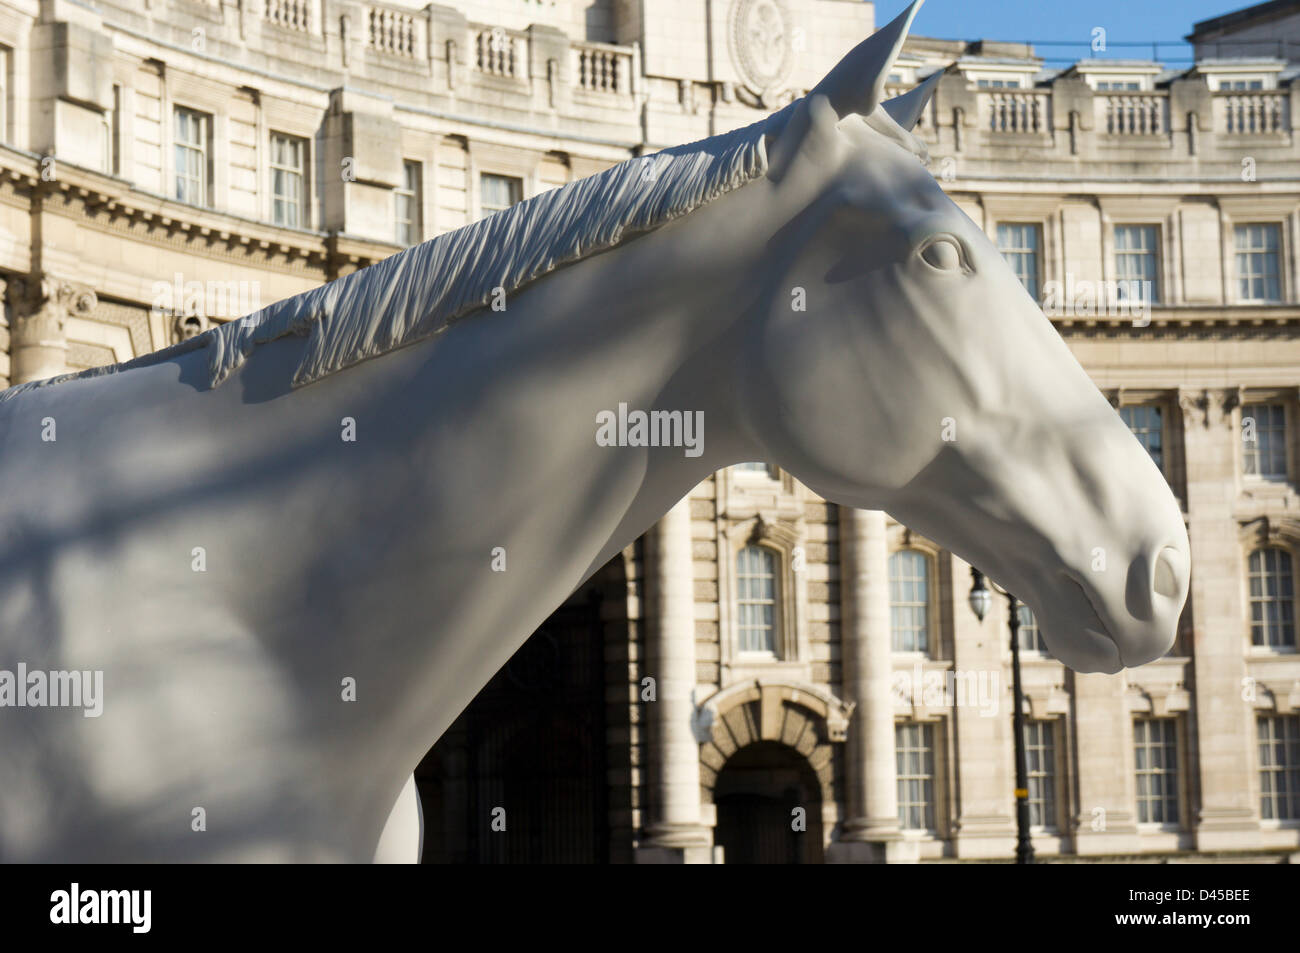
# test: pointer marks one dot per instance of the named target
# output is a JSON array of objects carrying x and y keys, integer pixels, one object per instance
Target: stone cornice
[
  {"x": 112, "y": 205},
  {"x": 1271, "y": 531},
  {"x": 1279, "y": 695},
  {"x": 1230, "y": 320},
  {"x": 1159, "y": 699}
]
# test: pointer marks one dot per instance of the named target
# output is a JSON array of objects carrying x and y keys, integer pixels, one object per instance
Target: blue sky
[{"x": 1124, "y": 21}]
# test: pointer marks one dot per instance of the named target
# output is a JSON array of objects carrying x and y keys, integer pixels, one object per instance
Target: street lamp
[{"x": 981, "y": 600}]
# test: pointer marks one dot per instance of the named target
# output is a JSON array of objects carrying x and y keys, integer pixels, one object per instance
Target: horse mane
[{"x": 417, "y": 293}]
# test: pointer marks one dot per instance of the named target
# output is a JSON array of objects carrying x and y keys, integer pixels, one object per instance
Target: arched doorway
[{"x": 756, "y": 794}]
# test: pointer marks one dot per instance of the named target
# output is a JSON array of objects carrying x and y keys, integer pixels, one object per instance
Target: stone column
[
  {"x": 675, "y": 834},
  {"x": 870, "y": 835},
  {"x": 38, "y": 341}
]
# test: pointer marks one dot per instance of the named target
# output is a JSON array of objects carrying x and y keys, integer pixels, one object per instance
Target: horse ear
[
  {"x": 857, "y": 83},
  {"x": 907, "y": 108}
]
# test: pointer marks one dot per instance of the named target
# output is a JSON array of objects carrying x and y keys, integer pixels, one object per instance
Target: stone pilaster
[
  {"x": 1224, "y": 736},
  {"x": 985, "y": 821},
  {"x": 4, "y": 332},
  {"x": 1106, "y": 821},
  {"x": 871, "y": 833},
  {"x": 38, "y": 340},
  {"x": 675, "y": 833}
]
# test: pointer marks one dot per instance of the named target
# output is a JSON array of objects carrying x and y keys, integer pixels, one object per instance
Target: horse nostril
[{"x": 1166, "y": 582}]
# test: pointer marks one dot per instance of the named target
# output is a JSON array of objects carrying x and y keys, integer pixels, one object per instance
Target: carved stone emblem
[
  {"x": 186, "y": 326},
  {"x": 762, "y": 48}
]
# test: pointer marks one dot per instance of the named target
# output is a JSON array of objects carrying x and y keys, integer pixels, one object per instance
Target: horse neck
[
  {"x": 666, "y": 309},
  {"x": 524, "y": 469}
]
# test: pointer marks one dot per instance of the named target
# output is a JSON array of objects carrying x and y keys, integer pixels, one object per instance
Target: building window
[
  {"x": 1241, "y": 84},
  {"x": 1263, "y": 440},
  {"x": 408, "y": 199},
  {"x": 1272, "y": 599},
  {"x": 1040, "y": 762},
  {"x": 499, "y": 192},
  {"x": 997, "y": 84},
  {"x": 1258, "y": 275},
  {"x": 914, "y": 751},
  {"x": 909, "y": 601},
  {"x": 764, "y": 468},
  {"x": 1146, "y": 422},
  {"x": 288, "y": 175},
  {"x": 1135, "y": 263},
  {"x": 756, "y": 597},
  {"x": 1031, "y": 640},
  {"x": 1279, "y": 767},
  {"x": 191, "y": 156},
  {"x": 1112, "y": 85},
  {"x": 1155, "y": 743},
  {"x": 1019, "y": 244}
]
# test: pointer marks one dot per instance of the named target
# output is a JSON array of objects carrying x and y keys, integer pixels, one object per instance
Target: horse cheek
[{"x": 810, "y": 401}]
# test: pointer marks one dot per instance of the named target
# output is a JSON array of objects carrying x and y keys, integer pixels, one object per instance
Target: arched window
[
  {"x": 1272, "y": 598},
  {"x": 909, "y": 601},
  {"x": 756, "y": 599}
]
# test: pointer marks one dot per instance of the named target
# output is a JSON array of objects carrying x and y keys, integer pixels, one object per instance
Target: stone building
[{"x": 753, "y": 679}]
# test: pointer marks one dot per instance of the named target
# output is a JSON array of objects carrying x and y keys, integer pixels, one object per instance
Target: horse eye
[{"x": 943, "y": 253}]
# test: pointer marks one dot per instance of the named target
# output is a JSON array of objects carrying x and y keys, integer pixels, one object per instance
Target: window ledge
[
  {"x": 1268, "y": 486},
  {"x": 918, "y": 834}
]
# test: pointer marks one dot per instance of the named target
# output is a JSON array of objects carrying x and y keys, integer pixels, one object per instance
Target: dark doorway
[
  {"x": 756, "y": 795},
  {"x": 533, "y": 744}
]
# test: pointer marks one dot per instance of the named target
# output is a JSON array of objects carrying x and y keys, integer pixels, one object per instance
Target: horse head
[{"x": 894, "y": 361}]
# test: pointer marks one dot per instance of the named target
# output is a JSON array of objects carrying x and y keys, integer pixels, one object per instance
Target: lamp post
[{"x": 981, "y": 600}]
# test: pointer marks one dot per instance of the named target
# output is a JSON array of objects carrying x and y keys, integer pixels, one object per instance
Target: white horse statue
[{"x": 298, "y": 545}]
